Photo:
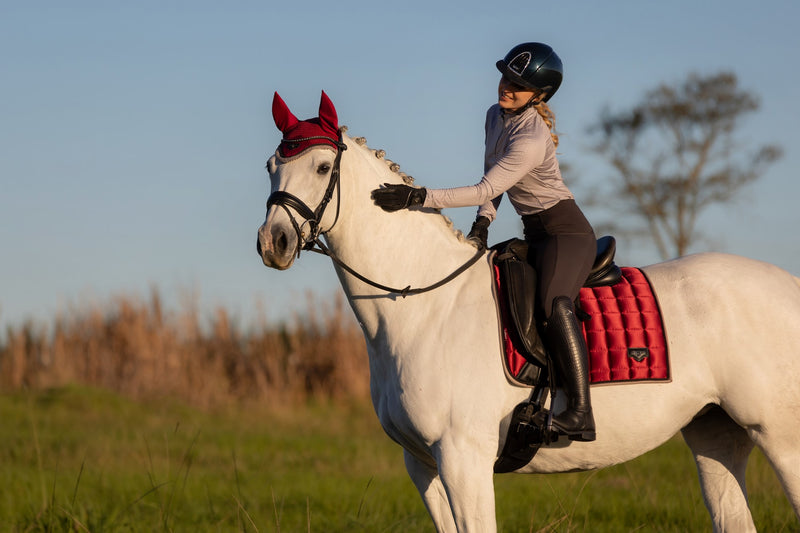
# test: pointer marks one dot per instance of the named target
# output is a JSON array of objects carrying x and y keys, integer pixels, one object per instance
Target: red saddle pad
[{"x": 624, "y": 332}]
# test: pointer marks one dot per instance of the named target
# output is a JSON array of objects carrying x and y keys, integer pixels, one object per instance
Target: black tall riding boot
[{"x": 569, "y": 353}]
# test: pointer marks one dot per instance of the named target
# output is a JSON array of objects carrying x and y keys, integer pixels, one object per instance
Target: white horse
[{"x": 437, "y": 381}]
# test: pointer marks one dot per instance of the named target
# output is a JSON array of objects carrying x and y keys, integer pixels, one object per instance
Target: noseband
[{"x": 311, "y": 218}]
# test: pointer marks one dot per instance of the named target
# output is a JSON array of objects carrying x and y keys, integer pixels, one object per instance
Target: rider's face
[{"x": 512, "y": 96}]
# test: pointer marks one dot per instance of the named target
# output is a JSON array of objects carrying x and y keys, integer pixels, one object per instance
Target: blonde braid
[{"x": 549, "y": 118}]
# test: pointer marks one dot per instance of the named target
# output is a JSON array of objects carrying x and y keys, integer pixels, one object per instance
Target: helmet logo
[{"x": 520, "y": 62}]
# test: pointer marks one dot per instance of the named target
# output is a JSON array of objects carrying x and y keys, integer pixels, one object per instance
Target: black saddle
[
  {"x": 604, "y": 270},
  {"x": 518, "y": 283}
]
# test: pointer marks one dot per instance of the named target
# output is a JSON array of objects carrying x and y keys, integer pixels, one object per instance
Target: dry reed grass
[{"x": 136, "y": 347}]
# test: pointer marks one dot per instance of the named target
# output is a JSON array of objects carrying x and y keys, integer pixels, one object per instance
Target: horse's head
[{"x": 304, "y": 174}]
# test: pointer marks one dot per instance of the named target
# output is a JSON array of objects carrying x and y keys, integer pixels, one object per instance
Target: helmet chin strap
[{"x": 534, "y": 101}]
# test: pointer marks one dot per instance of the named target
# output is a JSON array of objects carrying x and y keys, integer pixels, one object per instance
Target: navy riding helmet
[{"x": 534, "y": 66}]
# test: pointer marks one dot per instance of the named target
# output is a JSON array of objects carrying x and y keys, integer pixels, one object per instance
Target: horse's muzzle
[{"x": 276, "y": 245}]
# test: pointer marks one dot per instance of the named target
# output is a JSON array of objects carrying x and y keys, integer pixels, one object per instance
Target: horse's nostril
[
  {"x": 281, "y": 243},
  {"x": 258, "y": 246}
]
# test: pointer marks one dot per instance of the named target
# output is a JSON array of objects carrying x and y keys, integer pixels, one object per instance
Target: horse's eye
[{"x": 323, "y": 168}]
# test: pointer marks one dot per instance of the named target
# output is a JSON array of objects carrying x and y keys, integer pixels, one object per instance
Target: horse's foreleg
[
  {"x": 468, "y": 477},
  {"x": 426, "y": 479},
  {"x": 721, "y": 448}
]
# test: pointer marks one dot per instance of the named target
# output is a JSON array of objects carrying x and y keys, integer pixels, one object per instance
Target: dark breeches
[{"x": 562, "y": 248}]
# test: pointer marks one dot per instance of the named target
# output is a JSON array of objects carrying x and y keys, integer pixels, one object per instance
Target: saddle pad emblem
[{"x": 638, "y": 354}]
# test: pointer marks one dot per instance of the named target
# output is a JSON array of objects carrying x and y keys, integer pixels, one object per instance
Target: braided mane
[{"x": 408, "y": 180}]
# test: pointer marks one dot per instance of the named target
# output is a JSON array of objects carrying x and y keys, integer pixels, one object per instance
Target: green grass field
[{"x": 76, "y": 459}]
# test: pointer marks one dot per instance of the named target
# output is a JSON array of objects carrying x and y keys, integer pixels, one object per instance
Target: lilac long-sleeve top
[{"x": 520, "y": 160}]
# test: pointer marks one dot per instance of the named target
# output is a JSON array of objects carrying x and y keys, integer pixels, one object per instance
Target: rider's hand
[
  {"x": 480, "y": 231},
  {"x": 394, "y": 197}
]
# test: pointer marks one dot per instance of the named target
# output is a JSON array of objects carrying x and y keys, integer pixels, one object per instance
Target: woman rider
[{"x": 520, "y": 161}]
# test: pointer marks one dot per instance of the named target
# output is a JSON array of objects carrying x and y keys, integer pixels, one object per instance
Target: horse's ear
[
  {"x": 327, "y": 113},
  {"x": 284, "y": 118}
]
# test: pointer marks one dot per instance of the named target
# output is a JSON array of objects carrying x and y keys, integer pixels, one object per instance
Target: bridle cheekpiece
[{"x": 311, "y": 218}]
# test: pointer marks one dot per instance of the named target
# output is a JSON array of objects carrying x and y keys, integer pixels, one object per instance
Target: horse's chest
[{"x": 408, "y": 423}]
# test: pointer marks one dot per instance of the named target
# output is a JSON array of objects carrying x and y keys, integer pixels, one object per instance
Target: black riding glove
[
  {"x": 394, "y": 197},
  {"x": 480, "y": 231}
]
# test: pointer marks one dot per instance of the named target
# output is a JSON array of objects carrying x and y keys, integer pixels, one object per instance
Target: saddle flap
[{"x": 519, "y": 292}]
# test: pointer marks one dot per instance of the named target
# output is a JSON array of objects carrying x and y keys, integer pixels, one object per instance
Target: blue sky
[{"x": 133, "y": 136}]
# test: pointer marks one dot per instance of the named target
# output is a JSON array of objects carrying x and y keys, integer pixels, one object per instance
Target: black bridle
[{"x": 313, "y": 218}]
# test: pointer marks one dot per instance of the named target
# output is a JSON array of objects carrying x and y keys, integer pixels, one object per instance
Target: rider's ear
[
  {"x": 327, "y": 113},
  {"x": 284, "y": 118}
]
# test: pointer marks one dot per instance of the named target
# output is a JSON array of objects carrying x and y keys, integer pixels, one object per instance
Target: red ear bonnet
[
  {"x": 284, "y": 118},
  {"x": 300, "y": 135}
]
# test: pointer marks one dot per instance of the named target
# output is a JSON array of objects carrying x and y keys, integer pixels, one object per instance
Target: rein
[
  {"x": 324, "y": 250},
  {"x": 313, "y": 218}
]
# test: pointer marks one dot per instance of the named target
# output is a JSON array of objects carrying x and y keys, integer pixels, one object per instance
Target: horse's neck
[
  {"x": 400, "y": 249},
  {"x": 396, "y": 243}
]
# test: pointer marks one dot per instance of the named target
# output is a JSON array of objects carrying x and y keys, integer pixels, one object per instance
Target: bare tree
[{"x": 674, "y": 154}]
